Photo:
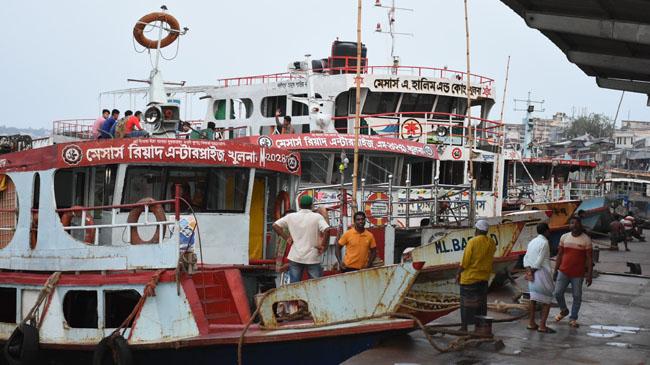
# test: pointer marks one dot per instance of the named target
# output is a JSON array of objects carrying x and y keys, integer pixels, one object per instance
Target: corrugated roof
[{"x": 607, "y": 39}]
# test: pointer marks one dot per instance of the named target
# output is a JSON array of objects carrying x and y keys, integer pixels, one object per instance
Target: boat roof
[
  {"x": 627, "y": 179},
  {"x": 153, "y": 151},
  {"x": 514, "y": 155},
  {"x": 337, "y": 142}
]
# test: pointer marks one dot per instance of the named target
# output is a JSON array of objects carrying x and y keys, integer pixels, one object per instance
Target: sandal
[
  {"x": 573, "y": 323},
  {"x": 532, "y": 328},
  {"x": 561, "y": 315},
  {"x": 546, "y": 330}
]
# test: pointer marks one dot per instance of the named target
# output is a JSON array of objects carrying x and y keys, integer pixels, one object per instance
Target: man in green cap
[{"x": 308, "y": 234}]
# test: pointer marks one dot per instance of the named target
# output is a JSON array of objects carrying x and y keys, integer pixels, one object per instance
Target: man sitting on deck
[
  {"x": 360, "y": 246},
  {"x": 105, "y": 130},
  {"x": 473, "y": 275}
]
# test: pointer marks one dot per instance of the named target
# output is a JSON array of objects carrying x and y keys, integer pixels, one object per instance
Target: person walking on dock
[
  {"x": 539, "y": 274},
  {"x": 473, "y": 274},
  {"x": 308, "y": 235},
  {"x": 360, "y": 246},
  {"x": 573, "y": 265}
]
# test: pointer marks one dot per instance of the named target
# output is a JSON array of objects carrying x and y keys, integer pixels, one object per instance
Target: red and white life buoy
[
  {"x": 134, "y": 215},
  {"x": 376, "y": 208},
  {"x": 171, "y": 22},
  {"x": 66, "y": 220}
]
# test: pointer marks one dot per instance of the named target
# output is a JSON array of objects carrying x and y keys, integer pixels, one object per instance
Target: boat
[{"x": 152, "y": 249}]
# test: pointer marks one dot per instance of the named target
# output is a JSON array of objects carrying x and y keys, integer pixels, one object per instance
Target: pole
[
  {"x": 501, "y": 143},
  {"x": 470, "y": 137},
  {"x": 357, "y": 117}
]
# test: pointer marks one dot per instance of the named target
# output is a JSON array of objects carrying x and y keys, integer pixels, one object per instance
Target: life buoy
[
  {"x": 134, "y": 215},
  {"x": 113, "y": 350},
  {"x": 370, "y": 207},
  {"x": 22, "y": 346},
  {"x": 173, "y": 25},
  {"x": 66, "y": 220},
  {"x": 282, "y": 204}
]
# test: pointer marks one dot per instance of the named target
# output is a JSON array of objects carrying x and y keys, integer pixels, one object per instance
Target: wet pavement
[{"x": 614, "y": 326}]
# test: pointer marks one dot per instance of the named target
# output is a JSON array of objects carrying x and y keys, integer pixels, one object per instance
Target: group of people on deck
[
  {"x": 110, "y": 125},
  {"x": 307, "y": 233},
  {"x": 573, "y": 266}
]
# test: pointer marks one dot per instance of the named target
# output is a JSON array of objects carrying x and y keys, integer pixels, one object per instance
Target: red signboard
[
  {"x": 318, "y": 141},
  {"x": 153, "y": 150},
  {"x": 159, "y": 150}
]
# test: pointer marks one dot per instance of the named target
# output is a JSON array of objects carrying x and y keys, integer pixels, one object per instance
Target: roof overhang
[{"x": 606, "y": 39}]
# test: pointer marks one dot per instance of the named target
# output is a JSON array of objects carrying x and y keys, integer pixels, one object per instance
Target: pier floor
[{"x": 611, "y": 301}]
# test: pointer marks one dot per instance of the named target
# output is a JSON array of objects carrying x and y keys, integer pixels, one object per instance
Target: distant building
[
  {"x": 635, "y": 125},
  {"x": 514, "y": 134},
  {"x": 550, "y": 130},
  {"x": 630, "y": 132}
]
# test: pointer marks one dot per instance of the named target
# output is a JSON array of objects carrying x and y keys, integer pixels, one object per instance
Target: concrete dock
[{"x": 612, "y": 300}]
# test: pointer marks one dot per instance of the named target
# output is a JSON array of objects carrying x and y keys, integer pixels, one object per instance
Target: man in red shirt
[
  {"x": 133, "y": 127},
  {"x": 573, "y": 265}
]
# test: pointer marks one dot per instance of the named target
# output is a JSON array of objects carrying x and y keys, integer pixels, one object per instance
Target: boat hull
[{"x": 312, "y": 351}]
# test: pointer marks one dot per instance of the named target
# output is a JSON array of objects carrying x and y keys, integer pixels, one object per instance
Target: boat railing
[
  {"x": 115, "y": 209},
  {"x": 431, "y": 127},
  {"x": 403, "y": 206},
  {"x": 348, "y": 68},
  {"x": 73, "y": 128}
]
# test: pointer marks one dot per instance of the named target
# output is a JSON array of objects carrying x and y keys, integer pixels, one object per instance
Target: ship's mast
[
  {"x": 529, "y": 126},
  {"x": 392, "y": 20}
]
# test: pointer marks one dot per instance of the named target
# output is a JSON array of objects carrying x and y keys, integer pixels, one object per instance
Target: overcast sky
[{"x": 56, "y": 56}]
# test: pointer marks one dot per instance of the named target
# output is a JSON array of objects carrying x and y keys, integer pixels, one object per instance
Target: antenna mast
[
  {"x": 528, "y": 121},
  {"x": 392, "y": 10}
]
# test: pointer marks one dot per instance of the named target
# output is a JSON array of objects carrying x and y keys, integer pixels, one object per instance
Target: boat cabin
[{"x": 129, "y": 203}]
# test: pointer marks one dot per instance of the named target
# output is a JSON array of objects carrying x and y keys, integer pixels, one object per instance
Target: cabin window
[
  {"x": 341, "y": 104},
  {"x": 70, "y": 187},
  {"x": 118, "y": 305},
  {"x": 80, "y": 308},
  {"x": 377, "y": 168},
  {"x": 8, "y": 305},
  {"x": 104, "y": 185},
  {"x": 241, "y": 108},
  {"x": 483, "y": 175},
  {"x": 421, "y": 172},
  {"x": 380, "y": 102},
  {"x": 300, "y": 109},
  {"x": 452, "y": 172},
  {"x": 9, "y": 213},
  {"x": 315, "y": 167},
  {"x": 272, "y": 103},
  {"x": 219, "y": 109},
  {"x": 444, "y": 104},
  {"x": 33, "y": 229},
  {"x": 416, "y": 103},
  {"x": 205, "y": 189}
]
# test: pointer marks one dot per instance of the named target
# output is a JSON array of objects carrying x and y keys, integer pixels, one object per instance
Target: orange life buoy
[
  {"x": 173, "y": 25},
  {"x": 66, "y": 220},
  {"x": 372, "y": 211},
  {"x": 134, "y": 215},
  {"x": 281, "y": 201}
]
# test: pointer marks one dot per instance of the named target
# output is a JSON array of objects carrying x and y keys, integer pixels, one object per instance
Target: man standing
[
  {"x": 207, "y": 133},
  {"x": 308, "y": 235},
  {"x": 360, "y": 246},
  {"x": 474, "y": 273},
  {"x": 99, "y": 122},
  {"x": 105, "y": 130},
  {"x": 573, "y": 263},
  {"x": 285, "y": 127},
  {"x": 540, "y": 278}
]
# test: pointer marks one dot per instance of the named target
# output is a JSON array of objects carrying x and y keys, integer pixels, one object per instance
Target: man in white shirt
[
  {"x": 308, "y": 234},
  {"x": 540, "y": 278}
]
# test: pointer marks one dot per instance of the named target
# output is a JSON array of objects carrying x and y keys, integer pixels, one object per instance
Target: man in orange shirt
[{"x": 360, "y": 246}]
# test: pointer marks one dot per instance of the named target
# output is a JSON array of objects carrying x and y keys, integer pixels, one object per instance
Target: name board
[{"x": 429, "y": 86}]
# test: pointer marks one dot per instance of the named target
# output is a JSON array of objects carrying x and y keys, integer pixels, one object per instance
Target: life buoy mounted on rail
[
  {"x": 134, "y": 215},
  {"x": 173, "y": 28},
  {"x": 66, "y": 220},
  {"x": 376, "y": 208},
  {"x": 282, "y": 204}
]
